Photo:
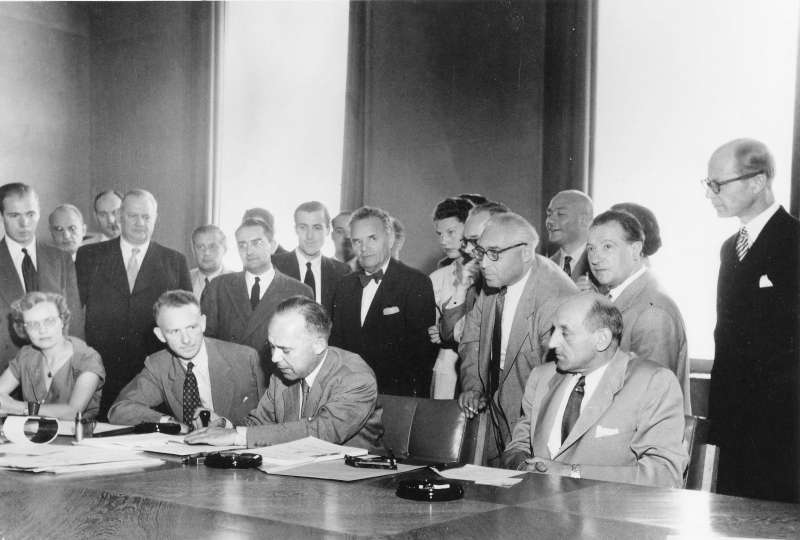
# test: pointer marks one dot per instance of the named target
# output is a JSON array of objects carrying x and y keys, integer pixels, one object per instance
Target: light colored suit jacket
[
  {"x": 631, "y": 430},
  {"x": 237, "y": 383},
  {"x": 527, "y": 345},
  {"x": 653, "y": 328},
  {"x": 56, "y": 273},
  {"x": 341, "y": 408},
  {"x": 229, "y": 317}
]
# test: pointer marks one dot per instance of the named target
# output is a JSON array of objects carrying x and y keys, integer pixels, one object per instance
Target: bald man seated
[
  {"x": 598, "y": 412},
  {"x": 319, "y": 391}
]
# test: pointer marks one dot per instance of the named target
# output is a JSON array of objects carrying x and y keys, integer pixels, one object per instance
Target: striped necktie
[{"x": 742, "y": 243}]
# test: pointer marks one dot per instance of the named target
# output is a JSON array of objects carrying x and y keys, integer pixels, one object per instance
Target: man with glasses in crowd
[
  {"x": 753, "y": 402},
  {"x": 506, "y": 333}
]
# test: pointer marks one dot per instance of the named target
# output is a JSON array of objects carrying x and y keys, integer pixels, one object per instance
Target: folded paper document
[{"x": 301, "y": 451}]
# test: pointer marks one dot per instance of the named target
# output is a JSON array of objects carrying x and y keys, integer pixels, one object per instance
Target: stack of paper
[
  {"x": 67, "y": 427},
  {"x": 483, "y": 475},
  {"x": 70, "y": 459},
  {"x": 308, "y": 450},
  {"x": 159, "y": 443}
]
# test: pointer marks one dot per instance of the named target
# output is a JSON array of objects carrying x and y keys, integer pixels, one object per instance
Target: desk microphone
[{"x": 205, "y": 416}]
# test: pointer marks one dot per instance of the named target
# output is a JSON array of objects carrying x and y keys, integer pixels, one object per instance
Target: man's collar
[
  {"x": 311, "y": 377},
  {"x": 265, "y": 276},
  {"x": 383, "y": 267},
  {"x": 128, "y": 247},
  {"x": 302, "y": 258},
  {"x": 18, "y": 247},
  {"x": 617, "y": 291},
  {"x": 756, "y": 225},
  {"x": 576, "y": 254},
  {"x": 199, "y": 359}
]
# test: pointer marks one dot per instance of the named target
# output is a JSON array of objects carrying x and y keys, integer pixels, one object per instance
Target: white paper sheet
[
  {"x": 483, "y": 475},
  {"x": 159, "y": 443},
  {"x": 307, "y": 450},
  {"x": 72, "y": 459}
]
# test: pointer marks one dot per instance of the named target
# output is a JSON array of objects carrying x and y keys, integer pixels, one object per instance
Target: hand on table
[{"x": 216, "y": 436}]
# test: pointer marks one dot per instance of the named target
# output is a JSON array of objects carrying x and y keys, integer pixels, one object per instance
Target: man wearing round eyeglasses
[
  {"x": 753, "y": 402},
  {"x": 505, "y": 334}
]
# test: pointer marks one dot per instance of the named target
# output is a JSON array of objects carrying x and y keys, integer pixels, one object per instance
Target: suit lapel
[
  {"x": 521, "y": 326},
  {"x": 546, "y": 416},
  {"x": 632, "y": 292},
  {"x": 219, "y": 370},
  {"x": 10, "y": 284},
  {"x": 150, "y": 270},
  {"x": 320, "y": 382},
  {"x": 260, "y": 317},
  {"x": 291, "y": 402},
  {"x": 384, "y": 292},
  {"x": 114, "y": 267},
  {"x": 294, "y": 267},
  {"x": 236, "y": 290},
  {"x": 175, "y": 379},
  {"x": 601, "y": 399}
]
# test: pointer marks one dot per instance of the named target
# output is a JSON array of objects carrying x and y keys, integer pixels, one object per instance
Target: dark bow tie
[{"x": 365, "y": 279}]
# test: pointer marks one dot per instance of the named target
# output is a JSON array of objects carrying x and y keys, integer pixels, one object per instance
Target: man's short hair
[
  {"x": 260, "y": 213},
  {"x": 314, "y": 206},
  {"x": 206, "y": 229},
  {"x": 647, "y": 219},
  {"x": 143, "y": 193},
  {"x": 103, "y": 194},
  {"x": 474, "y": 198},
  {"x": 604, "y": 314},
  {"x": 66, "y": 206},
  {"x": 491, "y": 207},
  {"x": 452, "y": 207},
  {"x": 510, "y": 220},
  {"x": 175, "y": 299},
  {"x": 257, "y": 222},
  {"x": 630, "y": 225},
  {"x": 317, "y": 320},
  {"x": 367, "y": 212},
  {"x": 753, "y": 156},
  {"x": 17, "y": 189}
]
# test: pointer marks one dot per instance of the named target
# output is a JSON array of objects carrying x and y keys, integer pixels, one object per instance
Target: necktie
[
  {"x": 309, "y": 278},
  {"x": 133, "y": 267},
  {"x": 29, "y": 276},
  {"x": 304, "y": 390},
  {"x": 255, "y": 293},
  {"x": 742, "y": 243},
  {"x": 365, "y": 279},
  {"x": 497, "y": 340},
  {"x": 191, "y": 395},
  {"x": 573, "y": 409},
  {"x": 567, "y": 265}
]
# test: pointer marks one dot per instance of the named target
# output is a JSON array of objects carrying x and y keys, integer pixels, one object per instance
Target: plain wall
[
  {"x": 45, "y": 102},
  {"x": 454, "y": 99}
]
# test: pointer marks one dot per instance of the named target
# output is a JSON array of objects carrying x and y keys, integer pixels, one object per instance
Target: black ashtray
[
  {"x": 232, "y": 460},
  {"x": 429, "y": 489}
]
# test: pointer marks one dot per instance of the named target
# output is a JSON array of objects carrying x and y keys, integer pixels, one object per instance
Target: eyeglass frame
[
  {"x": 44, "y": 324},
  {"x": 716, "y": 185},
  {"x": 493, "y": 254}
]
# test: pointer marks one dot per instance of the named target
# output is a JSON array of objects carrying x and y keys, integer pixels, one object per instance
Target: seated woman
[{"x": 61, "y": 373}]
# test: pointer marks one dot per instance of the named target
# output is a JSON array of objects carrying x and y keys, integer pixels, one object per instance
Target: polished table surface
[{"x": 177, "y": 501}]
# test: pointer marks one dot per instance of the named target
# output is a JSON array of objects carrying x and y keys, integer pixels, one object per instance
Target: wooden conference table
[{"x": 178, "y": 501}]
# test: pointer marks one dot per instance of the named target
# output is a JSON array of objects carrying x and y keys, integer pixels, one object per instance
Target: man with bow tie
[
  {"x": 754, "y": 409},
  {"x": 383, "y": 312},
  {"x": 598, "y": 412}
]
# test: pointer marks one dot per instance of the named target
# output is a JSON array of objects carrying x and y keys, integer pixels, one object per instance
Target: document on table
[
  {"x": 62, "y": 459},
  {"x": 483, "y": 475},
  {"x": 337, "y": 470},
  {"x": 158, "y": 443},
  {"x": 301, "y": 451},
  {"x": 67, "y": 427}
]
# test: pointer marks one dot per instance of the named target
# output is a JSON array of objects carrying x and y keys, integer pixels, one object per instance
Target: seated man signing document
[
  {"x": 599, "y": 412},
  {"x": 317, "y": 391},
  {"x": 193, "y": 373}
]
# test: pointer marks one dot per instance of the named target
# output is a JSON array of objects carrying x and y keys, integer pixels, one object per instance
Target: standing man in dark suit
[
  {"x": 506, "y": 332},
  {"x": 28, "y": 265},
  {"x": 239, "y": 305},
  {"x": 312, "y": 223},
  {"x": 383, "y": 312},
  {"x": 119, "y": 281},
  {"x": 568, "y": 217},
  {"x": 753, "y": 404}
]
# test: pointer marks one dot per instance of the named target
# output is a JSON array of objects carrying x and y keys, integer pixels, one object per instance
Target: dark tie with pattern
[
  {"x": 255, "y": 293},
  {"x": 309, "y": 279},
  {"x": 191, "y": 396},
  {"x": 567, "y": 265},
  {"x": 497, "y": 342},
  {"x": 29, "y": 273},
  {"x": 573, "y": 408},
  {"x": 742, "y": 243},
  {"x": 304, "y": 389}
]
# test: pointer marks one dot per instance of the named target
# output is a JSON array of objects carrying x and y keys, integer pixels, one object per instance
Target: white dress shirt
[
  {"x": 369, "y": 292},
  {"x": 513, "y": 294},
  {"x": 576, "y": 255},
  {"x": 15, "y": 250},
  {"x": 756, "y": 225},
  {"x": 590, "y": 385},
  {"x": 264, "y": 281},
  {"x": 127, "y": 251},
  {"x": 316, "y": 270},
  {"x": 616, "y": 291},
  {"x": 203, "y": 376},
  {"x": 199, "y": 279}
]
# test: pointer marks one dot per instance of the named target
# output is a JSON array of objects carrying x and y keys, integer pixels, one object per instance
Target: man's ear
[
  {"x": 319, "y": 345},
  {"x": 203, "y": 323},
  {"x": 758, "y": 183},
  {"x": 602, "y": 339},
  {"x": 637, "y": 248},
  {"x": 159, "y": 334}
]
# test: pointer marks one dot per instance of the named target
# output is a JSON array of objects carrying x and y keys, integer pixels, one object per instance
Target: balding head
[
  {"x": 67, "y": 228},
  {"x": 568, "y": 216},
  {"x": 512, "y": 240},
  {"x": 743, "y": 170}
]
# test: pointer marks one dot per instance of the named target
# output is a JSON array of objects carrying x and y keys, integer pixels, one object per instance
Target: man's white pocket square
[
  {"x": 605, "y": 432},
  {"x": 391, "y": 310},
  {"x": 764, "y": 282}
]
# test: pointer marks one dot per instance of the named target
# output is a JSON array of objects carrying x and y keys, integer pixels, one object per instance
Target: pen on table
[{"x": 194, "y": 459}]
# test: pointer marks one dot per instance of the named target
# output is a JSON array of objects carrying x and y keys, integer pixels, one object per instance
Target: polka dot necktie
[{"x": 191, "y": 395}]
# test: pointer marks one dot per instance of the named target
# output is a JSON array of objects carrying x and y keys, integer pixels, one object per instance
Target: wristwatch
[{"x": 575, "y": 470}]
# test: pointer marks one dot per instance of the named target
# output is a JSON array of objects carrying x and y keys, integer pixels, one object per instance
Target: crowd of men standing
[{"x": 580, "y": 360}]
